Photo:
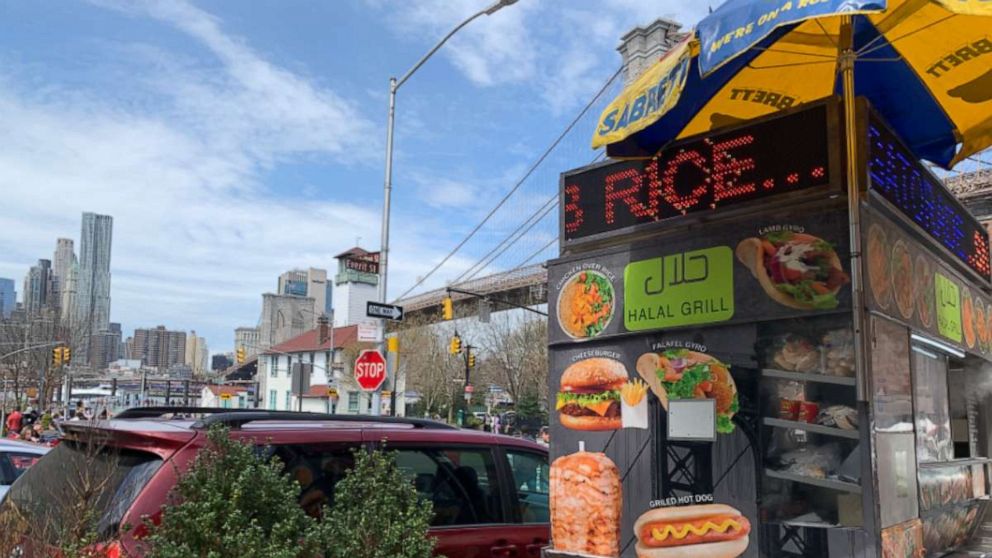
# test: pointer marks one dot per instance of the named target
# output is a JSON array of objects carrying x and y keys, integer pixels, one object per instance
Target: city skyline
[
  {"x": 237, "y": 150},
  {"x": 61, "y": 275}
]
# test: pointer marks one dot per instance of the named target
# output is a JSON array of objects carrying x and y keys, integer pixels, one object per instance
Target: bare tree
[
  {"x": 64, "y": 511},
  {"x": 516, "y": 353},
  {"x": 428, "y": 367}
]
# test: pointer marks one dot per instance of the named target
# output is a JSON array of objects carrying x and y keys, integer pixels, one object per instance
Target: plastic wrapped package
[
  {"x": 818, "y": 462},
  {"x": 794, "y": 353},
  {"x": 838, "y": 416},
  {"x": 838, "y": 352}
]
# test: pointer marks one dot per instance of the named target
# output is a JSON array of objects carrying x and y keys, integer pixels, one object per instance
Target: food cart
[{"x": 720, "y": 391}]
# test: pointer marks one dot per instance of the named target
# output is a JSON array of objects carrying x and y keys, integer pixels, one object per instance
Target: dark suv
[{"x": 490, "y": 492}]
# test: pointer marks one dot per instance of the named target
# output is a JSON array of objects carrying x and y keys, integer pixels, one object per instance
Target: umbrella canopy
[{"x": 925, "y": 66}]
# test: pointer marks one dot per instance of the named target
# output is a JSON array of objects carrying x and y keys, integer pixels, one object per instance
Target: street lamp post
[{"x": 394, "y": 85}]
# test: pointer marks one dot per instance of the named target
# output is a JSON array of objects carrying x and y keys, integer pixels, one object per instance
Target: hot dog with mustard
[{"x": 705, "y": 531}]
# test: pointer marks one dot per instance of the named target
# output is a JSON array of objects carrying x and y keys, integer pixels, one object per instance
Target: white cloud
[
  {"x": 198, "y": 234},
  {"x": 278, "y": 110},
  {"x": 492, "y": 50},
  {"x": 562, "y": 51}
]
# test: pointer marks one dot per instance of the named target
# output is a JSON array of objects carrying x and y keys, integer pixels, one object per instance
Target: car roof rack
[
  {"x": 179, "y": 410},
  {"x": 235, "y": 418}
]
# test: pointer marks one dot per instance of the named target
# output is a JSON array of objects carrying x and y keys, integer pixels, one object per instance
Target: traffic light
[
  {"x": 57, "y": 356},
  {"x": 471, "y": 360},
  {"x": 456, "y": 345},
  {"x": 66, "y": 355},
  {"x": 449, "y": 308},
  {"x": 239, "y": 355}
]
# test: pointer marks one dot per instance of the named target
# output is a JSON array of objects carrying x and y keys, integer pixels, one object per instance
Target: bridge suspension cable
[
  {"x": 513, "y": 237},
  {"x": 540, "y": 160}
]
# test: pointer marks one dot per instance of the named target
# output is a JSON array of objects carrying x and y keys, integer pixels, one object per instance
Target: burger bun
[
  {"x": 594, "y": 372},
  {"x": 590, "y": 422}
]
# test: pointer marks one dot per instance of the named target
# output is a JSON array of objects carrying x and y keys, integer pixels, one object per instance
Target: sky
[{"x": 234, "y": 140}]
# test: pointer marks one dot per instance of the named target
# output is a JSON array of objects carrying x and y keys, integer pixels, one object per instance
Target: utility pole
[{"x": 394, "y": 85}]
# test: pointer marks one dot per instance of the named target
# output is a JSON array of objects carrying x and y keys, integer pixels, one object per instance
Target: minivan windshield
[{"x": 79, "y": 490}]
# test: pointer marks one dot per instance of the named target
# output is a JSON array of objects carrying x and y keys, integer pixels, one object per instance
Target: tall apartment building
[
  {"x": 64, "y": 256},
  {"x": 68, "y": 284},
  {"x": 309, "y": 283},
  {"x": 8, "y": 298},
  {"x": 159, "y": 347},
  {"x": 39, "y": 286},
  {"x": 105, "y": 347},
  {"x": 62, "y": 262},
  {"x": 92, "y": 305},
  {"x": 196, "y": 354},
  {"x": 247, "y": 337}
]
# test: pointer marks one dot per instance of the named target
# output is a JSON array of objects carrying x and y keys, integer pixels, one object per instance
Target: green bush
[
  {"x": 233, "y": 504},
  {"x": 377, "y": 513}
]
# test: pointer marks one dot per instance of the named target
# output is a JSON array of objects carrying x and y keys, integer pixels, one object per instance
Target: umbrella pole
[{"x": 847, "y": 57}]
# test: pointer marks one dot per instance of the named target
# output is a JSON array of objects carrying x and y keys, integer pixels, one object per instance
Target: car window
[
  {"x": 461, "y": 484},
  {"x": 530, "y": 478},
  {"x": 91, "y": 477},
  {"x": 21, "y": 462},
  {"x": 6, "y": 475},
  {"x": 317, "y": 469}
]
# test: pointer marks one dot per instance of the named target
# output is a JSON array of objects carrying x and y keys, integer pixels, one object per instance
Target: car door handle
[{"x": 508, "y": 550}]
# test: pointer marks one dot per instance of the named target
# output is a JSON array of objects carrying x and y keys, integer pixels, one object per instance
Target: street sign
[
  {"x": 469, "y": 388},
  {"x": 300, "y": 378},
  {"x": 369, "y": 333},
  {"x": 370, "y": 370},
  {"x": 368, "y": 263},
  {"x": 332, "y": 392},
  {"x": 387, "y": 311},
  {"x": 225, "y": 396}
]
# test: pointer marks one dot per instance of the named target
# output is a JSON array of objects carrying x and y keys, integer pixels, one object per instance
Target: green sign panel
[
  {"x": 689, "y": 288},
  {"x": 948, "y": 307}
]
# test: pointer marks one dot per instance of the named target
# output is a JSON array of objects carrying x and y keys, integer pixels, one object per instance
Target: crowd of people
[
  {"x": 30, "y": 425},
  {"x": 496, "y": 424}
]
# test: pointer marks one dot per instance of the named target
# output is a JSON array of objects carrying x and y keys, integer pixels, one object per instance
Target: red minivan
[{"x": 489, "y": 492}]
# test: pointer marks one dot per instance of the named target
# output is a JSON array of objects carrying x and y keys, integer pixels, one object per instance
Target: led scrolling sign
[
  {"x": 770, "y": 157},
  {"x": 920, "y": 196}
]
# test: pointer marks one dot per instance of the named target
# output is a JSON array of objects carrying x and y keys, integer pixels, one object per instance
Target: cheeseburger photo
[
  {"x": 706, "y": 531},
  {"x": 590, "y": 394}
]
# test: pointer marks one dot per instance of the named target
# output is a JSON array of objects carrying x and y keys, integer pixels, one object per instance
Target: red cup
[
  {"x": 789, "y": 409},
  {"x": 808, "y": 411}
]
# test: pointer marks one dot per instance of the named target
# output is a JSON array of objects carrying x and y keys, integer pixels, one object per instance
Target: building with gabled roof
[{"x": 331, "y": 387}]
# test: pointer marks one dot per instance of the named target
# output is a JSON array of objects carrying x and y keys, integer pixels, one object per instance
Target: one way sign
[{"x": 386, "y": 311}]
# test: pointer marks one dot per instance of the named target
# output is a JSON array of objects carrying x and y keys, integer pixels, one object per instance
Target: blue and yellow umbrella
[{"x": 925, "y": 66}]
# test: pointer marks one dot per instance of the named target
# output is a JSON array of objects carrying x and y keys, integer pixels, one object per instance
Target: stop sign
[{"x": 370, "y": 370}]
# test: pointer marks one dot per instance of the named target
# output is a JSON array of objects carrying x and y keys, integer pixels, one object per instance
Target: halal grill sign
[{"x": 773, "y": 156}]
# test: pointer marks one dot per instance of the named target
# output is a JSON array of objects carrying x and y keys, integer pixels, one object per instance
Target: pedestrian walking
[
  {"x": 14, "y": 421},
  {"x": 29, "y": 417},
  {"x": 545, "y": 437}
]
